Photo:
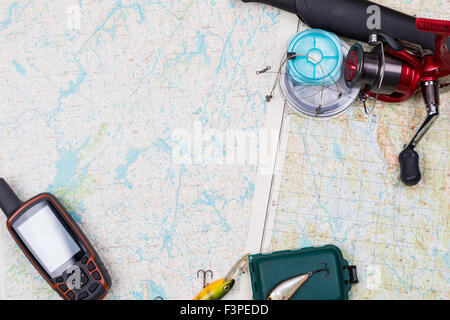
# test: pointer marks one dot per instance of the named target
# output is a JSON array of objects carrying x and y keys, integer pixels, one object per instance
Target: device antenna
[{"x": 9, "y": 202}]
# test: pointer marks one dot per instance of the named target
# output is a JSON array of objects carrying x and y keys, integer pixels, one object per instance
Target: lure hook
[{"x": 205, "y": 275}]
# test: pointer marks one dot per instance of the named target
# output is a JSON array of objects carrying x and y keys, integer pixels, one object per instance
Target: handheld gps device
[{"x": 55, "y": 245}]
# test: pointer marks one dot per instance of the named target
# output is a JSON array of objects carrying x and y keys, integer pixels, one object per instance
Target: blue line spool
[{"x": 318, "y": 58}]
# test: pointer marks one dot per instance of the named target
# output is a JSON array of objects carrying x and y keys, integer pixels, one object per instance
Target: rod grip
[
  {"x": 9, "y": 202},
  {"x": 349, "y": 18},
  {"x": 287, "y": 5}
]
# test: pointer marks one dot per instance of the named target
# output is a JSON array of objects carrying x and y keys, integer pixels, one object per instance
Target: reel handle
[
  {"x": 409, "y": 167},
  {"x": 408, "y": 158}
]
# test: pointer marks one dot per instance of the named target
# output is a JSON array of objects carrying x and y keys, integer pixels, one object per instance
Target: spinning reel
[{"x": 394, "y": 71}]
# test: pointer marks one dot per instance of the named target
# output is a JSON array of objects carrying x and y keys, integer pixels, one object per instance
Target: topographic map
[
  {"x": 92, "y": 95},
  {"x": 336, "y": 181},
  {"x": 121, "y": 108}
]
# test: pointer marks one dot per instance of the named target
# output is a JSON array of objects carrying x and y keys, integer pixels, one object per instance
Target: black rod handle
[
  {"x": 349, "y": 18},
  {"x": 286, "y": 5},
  {"x": 9, "y": 202}
]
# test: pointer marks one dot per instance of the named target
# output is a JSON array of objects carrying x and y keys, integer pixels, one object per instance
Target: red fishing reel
[{"x": 394, "y": 70}]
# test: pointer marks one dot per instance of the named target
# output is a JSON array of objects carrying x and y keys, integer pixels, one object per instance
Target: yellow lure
[{"x": 215, "y": 290}]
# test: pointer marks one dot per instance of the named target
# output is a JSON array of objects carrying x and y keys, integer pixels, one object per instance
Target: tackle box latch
[{"x": 352, "y": 273}]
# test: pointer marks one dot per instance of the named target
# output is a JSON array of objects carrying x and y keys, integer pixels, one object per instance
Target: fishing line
[
  {"x": 279, "y": 73},
  {"x": 284, "y": 60},
  {"x": 308, "y": 85},
  {"x": 310, "y": 75},
  {"x": 361, "y": 102}
]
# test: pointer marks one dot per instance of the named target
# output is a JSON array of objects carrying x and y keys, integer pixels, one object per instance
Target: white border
[{"x": 274, "y": 119}]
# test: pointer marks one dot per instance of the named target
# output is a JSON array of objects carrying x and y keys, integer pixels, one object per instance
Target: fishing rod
[
  {"x": 409, "y": 54},
  {"x": 349, "y": 18}
]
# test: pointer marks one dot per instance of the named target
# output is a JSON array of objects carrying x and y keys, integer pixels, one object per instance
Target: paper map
[{"x": 94, "y": 95}]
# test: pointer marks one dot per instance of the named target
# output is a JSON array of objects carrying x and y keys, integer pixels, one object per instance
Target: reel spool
[
  {"x": 313, "y": 83},
  {"x": 318, "y": 58}
]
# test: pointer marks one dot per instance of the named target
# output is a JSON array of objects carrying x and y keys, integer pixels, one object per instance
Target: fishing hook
[{"x": 205, "y": 275}]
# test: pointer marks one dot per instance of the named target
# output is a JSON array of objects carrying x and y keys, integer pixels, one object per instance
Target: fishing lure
[
  {"x": 287, "y": 288},
  {"x": 218, "y": 289},
  {"x": 215, "y": 290}
]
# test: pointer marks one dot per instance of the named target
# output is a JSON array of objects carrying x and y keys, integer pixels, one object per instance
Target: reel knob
[{"x": 409, "y": 167}]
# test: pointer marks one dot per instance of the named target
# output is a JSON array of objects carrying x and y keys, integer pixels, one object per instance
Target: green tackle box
[{"x": 269, "y": 270}]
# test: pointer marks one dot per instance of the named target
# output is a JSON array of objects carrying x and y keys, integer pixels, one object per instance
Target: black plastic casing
[
  {"x": 88, "y": 254},
  {"x": 349, "y": 18},
  {"x": 9, "y": 202}
]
